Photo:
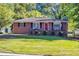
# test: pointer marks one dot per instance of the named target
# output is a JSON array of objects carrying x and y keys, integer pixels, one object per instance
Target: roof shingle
[{"x": 37, "y": 20}]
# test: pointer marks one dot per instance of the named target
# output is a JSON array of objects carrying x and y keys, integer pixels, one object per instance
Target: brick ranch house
[{"x": 40, "y": 26}]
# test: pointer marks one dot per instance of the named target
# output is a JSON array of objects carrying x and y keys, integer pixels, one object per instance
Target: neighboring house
[
  {"x": 40, "y": 26},
  {"x": 6, "y": 30}
]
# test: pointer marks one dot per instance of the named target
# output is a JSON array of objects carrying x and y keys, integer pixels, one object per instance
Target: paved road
[{"x": 11, "y": 54}]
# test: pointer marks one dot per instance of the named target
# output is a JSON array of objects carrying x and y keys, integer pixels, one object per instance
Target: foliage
[
  {"x": 25, "y": 11},
  {"x": 71, "y": 11},
  {"x": 34, "y": 13},
  {"x": 9, "y": 12},
  {"x": 45, "y": 8},
  {"x": 6, "y": 15},
  {"x": 68, "y": 10}
]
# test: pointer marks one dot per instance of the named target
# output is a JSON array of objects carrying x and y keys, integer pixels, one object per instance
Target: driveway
[{"x": 11, "y": 35}]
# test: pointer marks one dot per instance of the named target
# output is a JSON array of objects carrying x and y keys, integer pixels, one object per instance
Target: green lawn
[{"x": 40, "y": 45}]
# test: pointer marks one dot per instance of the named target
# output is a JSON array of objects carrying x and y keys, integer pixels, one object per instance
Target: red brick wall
[
  {"x": 27, "y": 28},
  {"x": 19, "y": 30}
]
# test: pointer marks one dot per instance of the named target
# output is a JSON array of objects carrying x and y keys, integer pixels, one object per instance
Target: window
[
  {"x": 36, "y": 26},
  {"x": 21, "y": 24},
  {"x": 6, "y": 30},
  {"x": 57, "y": 26}
]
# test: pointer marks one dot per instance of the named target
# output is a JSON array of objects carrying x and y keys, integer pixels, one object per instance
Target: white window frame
[{"x": 21, "y": 24}]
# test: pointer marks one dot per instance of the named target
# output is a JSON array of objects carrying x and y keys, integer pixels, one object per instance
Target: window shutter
[
  {"x": 52, "y": 26},
  {"x": 24, "y": 24},
  {"x": 40, "y": 25},
  {"x": 18, "y": 24},
  {"x": 31, "y": 25}
]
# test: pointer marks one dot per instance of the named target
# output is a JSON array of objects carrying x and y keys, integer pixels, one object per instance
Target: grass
[{"x": 40, "y": 45}]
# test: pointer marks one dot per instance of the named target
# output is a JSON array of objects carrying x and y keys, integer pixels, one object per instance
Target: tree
[
  {"x": 71, "y": 11},
  {"x": 34, "y": 13},
  {"x": 45, "y": 9},
  {"x": 6, "y": 15},
  {"x": 23, "y": 10},
  {"x": 8, "y": 12}
]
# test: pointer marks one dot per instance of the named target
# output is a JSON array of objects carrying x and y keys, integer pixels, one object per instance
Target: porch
[{"x": 48, "y": 32}]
